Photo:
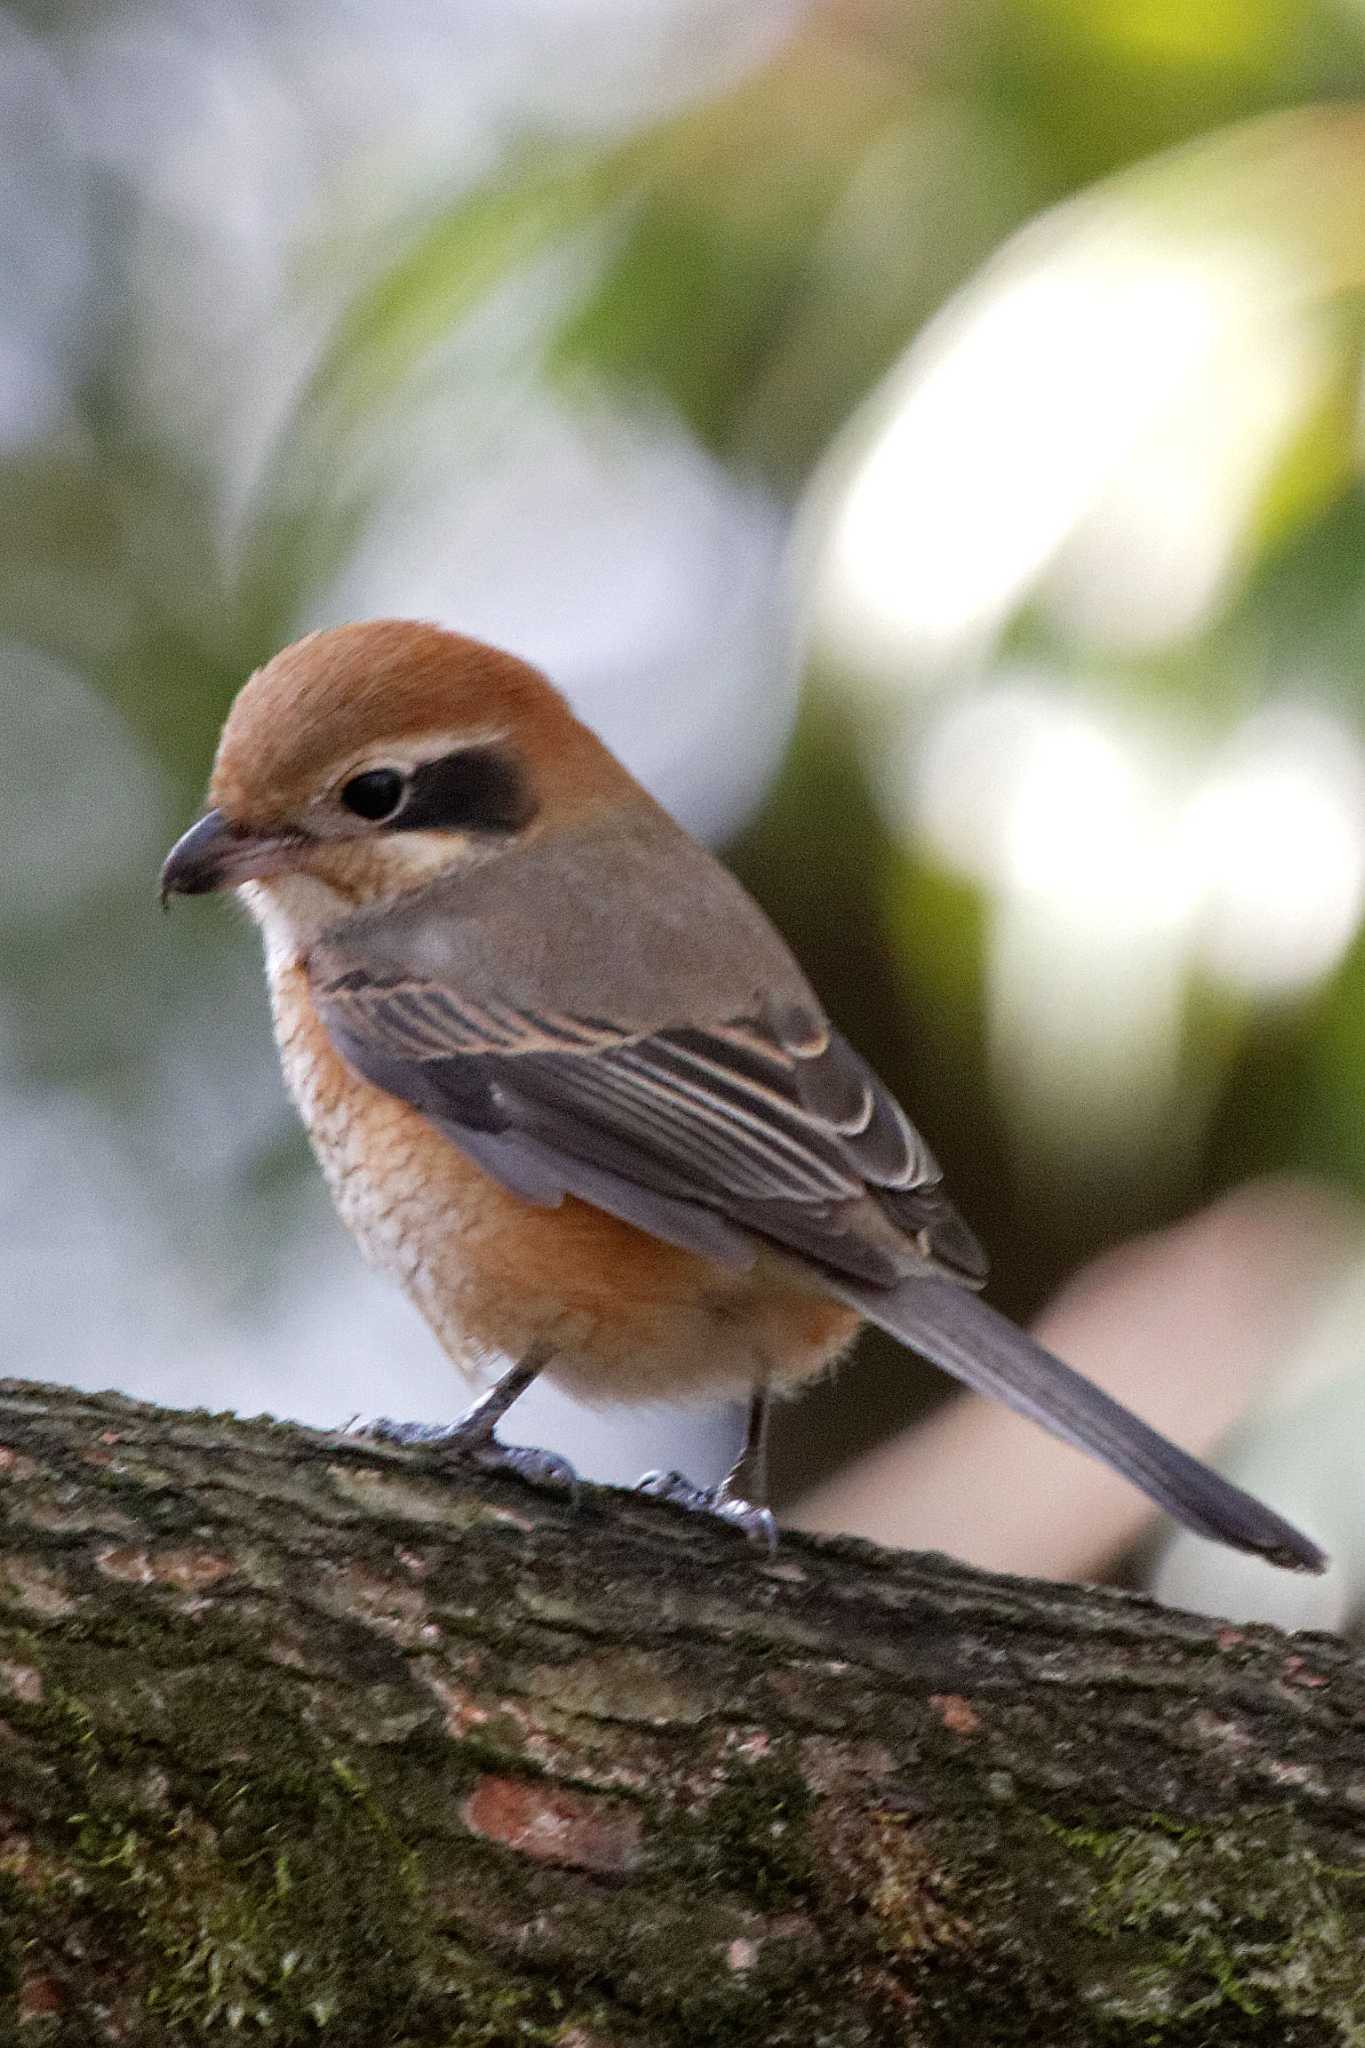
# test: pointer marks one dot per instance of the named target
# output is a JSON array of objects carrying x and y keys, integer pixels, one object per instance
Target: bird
[{"x": 568, "y": 1085}]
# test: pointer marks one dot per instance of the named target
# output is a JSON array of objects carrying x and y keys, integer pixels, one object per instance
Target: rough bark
[{"x": 305, "y": 1741}]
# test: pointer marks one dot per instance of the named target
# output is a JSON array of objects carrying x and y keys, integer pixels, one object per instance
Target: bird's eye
[{"x": 375, "y": 795}]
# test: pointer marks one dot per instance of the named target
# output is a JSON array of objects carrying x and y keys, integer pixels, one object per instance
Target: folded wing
[{"x": 768, "y": 1127}]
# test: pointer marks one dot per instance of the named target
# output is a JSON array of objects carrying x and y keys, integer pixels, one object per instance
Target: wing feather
[{"x": 763, "y": 1124}]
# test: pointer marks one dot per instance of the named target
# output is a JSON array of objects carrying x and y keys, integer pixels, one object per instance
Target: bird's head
[{"x": 366, "y": 761}]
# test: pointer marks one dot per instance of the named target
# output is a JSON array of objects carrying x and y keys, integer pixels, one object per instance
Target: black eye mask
[{"x": 475, "y": 789}]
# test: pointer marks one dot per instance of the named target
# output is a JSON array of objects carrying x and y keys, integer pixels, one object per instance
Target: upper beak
[{"x": 215, "y": 854}]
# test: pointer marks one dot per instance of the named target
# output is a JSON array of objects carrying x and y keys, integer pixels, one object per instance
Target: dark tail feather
[{"x": 959, "y": 1332}]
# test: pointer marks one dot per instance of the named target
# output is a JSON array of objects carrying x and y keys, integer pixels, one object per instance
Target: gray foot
[
  {"x": 672, "y": 1486},
  {"x": 541, "y": 1468},
  {"x": 381, "y": 1429},
  {"x": 474, "y": 1442},
  {"x": 756, "y": 1524}
]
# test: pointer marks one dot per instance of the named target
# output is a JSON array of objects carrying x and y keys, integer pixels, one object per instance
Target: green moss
[
  {"x": 248, "y": 1913},
  {"x": 275, "y": 1901},
  {"x": 1239, "y": 1931},
  {"x": 751, "y": 1837},
  {"x": 314, "y": 1876},
  {"x": 293, "y": 1894}
]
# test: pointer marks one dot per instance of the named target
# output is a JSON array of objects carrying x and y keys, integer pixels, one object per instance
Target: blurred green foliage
[{"x": 750, "y": 266}]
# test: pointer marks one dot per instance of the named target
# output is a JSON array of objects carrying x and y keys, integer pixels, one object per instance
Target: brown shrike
[{"x": 568, "y": 1085}]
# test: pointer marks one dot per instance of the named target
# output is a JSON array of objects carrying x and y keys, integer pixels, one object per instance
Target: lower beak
[{"x": 215, "y": 854}]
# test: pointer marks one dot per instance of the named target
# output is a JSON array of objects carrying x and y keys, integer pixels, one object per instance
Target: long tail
[{"x": 961, "y": 1333}]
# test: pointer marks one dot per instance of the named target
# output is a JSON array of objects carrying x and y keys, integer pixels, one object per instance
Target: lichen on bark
[{"x": 307, "y": 1741}]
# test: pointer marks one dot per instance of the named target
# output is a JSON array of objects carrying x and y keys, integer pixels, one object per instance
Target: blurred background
[{"x": 925, "y": 437}]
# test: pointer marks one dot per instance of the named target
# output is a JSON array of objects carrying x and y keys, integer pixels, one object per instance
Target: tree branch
[{"x": 305, "y": 1740}]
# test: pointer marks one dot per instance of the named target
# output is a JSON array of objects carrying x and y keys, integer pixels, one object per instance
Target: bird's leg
[
  {"x": 742, "y": 1496},
  {"x": 472, "y": 1435}
]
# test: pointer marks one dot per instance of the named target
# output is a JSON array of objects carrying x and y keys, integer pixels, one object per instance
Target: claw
[
  {"x": 672, "y": 1486},
  {"x": 471, "y": 1440},
  {"x": 757, "y": 1524},
  {"x": 381, "y": 1429},
  {"x": 539, "y": 1468}
]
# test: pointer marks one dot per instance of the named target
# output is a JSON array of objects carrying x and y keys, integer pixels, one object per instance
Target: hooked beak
[{"x": 215, "y": 854}]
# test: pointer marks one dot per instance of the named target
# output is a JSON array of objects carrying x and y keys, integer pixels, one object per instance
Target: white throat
[{"x": 293, "y": 911}]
